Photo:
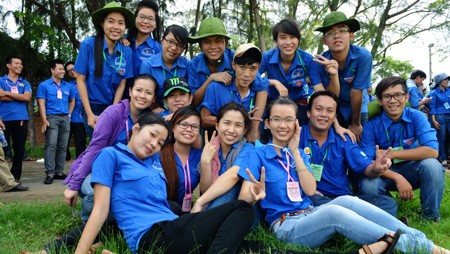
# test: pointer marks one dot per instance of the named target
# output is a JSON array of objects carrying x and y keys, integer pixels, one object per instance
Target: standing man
[
  {"x": 56, "y": 100},
  {"x": 354, "y": 69},
  {"x": 15, "y": 92},
  {"x": 77, "y": 129},
  {"x": 415, "y": 84}
]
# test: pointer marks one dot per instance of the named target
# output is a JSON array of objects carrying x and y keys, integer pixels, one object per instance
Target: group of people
[{"x": 284, "y": 165}]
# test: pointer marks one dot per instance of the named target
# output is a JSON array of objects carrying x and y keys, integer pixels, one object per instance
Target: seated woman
[
  {"x": 226, "y": 150},
  {"x": 179, "y": 154},
  {"x": 130, "y": 180},
  {"x": 285, "y": 182}
]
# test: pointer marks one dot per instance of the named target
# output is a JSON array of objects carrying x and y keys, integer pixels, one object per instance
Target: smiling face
[
  {"x": 178, "y": 99},
  {"x": 394, "y": 107},
  {"x": 231, "y": 128},
  {"x": 338, "y": 38},
  {"x": 114, "y": 26},
  {"x": 172, "y": 48},
  {"x": 213, "y": 47},
  {"x": 323, "y": 113},
  {"x": 15, "y": 67},
  {"x": 287, "y": 44},
  {"x": 146, "y": 20},
  {"x": 190, "y": 134},
  {"x": 147, "y": 140},
  {"x": 142, "y": 94},
  {"x": 58, "y": 72},
  {"x": 281, "y": 123}
]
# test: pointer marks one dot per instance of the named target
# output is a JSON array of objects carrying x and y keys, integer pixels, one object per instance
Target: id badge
[
  {"x": 187, "y": 203},
  {"x": 398, "y": 148},
  {"x": 59, "y": 94},
  {"x": 317, "y": 171},
  {"x": 14, "y": 89},
  {"x": 293, "y": 191},
  {"x": 446, "y": 105}
]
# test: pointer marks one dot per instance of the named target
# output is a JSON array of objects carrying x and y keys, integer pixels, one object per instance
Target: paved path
[{"x": 33, "y": 176}]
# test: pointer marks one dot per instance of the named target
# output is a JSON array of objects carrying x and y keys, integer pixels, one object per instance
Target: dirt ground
[{"x": 33, "y": 175}]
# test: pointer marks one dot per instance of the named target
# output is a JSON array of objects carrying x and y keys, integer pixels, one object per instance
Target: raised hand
[
  {"x": 223, "y": 77},
  {"x": 251, "y": 115},
  {"x": 210, "y": 148},
  {"x": 382, "y": 160},
  {"x": 258, "y": 188},
  {"x": 331, "y": 66},
  {"x": 295, "y": 140}
]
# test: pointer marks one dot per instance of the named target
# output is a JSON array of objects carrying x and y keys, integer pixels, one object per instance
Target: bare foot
[
  {"x": 105, "y": 251},
  {"x": 38, "y": 252},
  {"x": 440, "y": 250}
]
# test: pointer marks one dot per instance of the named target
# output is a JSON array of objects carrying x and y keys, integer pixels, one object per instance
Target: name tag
[
  {"x": 317, "y": 171},
  {"x": 59, "y": 94},
  {"x": 187, "y": 203},
  {"x": 293, "y": 191},
  {"x": 446, "y": 105},
  {"x": 14, "y": 89},
  {"x": 398, "y": 148}
]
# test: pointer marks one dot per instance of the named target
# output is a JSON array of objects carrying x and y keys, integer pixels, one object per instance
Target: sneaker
[
  {"x": 61, "y": 176},
  {"x": 18, "y": 188},
  {"x": 48, "y": 179}
]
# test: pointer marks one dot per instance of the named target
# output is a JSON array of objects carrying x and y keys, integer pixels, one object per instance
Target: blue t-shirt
[
  {"x": 138, "y": 190},
  {"x": 295, "y": 80},
  {"x": 194, "y": 160},
  {"x": 116, "y": 67},
  {"x": 143, "y": 52},
  {"x": 217, "y": 94},
  {"x": 77, "y": 113},
  {"x": 412, "y": 128},
  {"x": 198, "y": 72},
  {"x": 14, "y": 110},
  {"x": 276, "y": 202},
  {"x": 48, "y": 90},
  {"x": 335, "y": 155},
  {"x": 155, "y": 67},
  {"x": 355, "y": 75},
  {"x": 440, "y": 99}
]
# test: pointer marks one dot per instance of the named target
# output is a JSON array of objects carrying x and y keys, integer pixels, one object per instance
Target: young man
[
  {"x": 56, "y": 99},
  {"x": 414, "y": 150},
  {"x": 415, "y": 84},
  {"x": 346, "y": 70},
  {"x": 177, "y": 94},
  {"x": 246, "y": 61},
  {"x": 77, "y": 129},
  {"x": 15, "y": 92},
  {"x": 331, "y": 156}
]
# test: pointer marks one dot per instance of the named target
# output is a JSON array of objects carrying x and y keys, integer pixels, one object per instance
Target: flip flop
[{"x": 391, "y": 241}]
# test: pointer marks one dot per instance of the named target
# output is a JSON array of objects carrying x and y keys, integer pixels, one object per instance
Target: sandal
[{"x": 390, "y": 240}]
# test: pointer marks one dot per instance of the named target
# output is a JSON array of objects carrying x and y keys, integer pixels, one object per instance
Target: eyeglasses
[
  {"x": 172, "y": 43},
  {"x": 330, "y": 34},
  {"x": 287, "y": 120},
  {"x": 150, "y": 19},
  {"x": 184, "y": 126},
  {"x": 396, "y": 96},
  {"x": 70, "y": 70}
]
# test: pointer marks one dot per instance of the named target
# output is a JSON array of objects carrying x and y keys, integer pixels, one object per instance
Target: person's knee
[
  {"x": 369, "y": 186},
  {"x": 431, "y": 169}
]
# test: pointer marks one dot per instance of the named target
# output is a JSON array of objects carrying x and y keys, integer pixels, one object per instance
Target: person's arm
[
  {"x": 223, "y": 77},
  {"x": 208, "y": 120},
  {"x": 415, "y": 154},
  {"x": 414, "y": 97},
  {"x": 43, "y": 113},
  {"x": 380, "y": 165},
  {"x": 8, "y": 96},
  {"x": 206, "y": 177},
  {"x": 82, "y": 90},
  {"x": 260, "y": 104},
  {"x": 71, "y": 106},
  {"x": 282, "y": 90},
  {"x": 2, "y": 125},
  {"x": 331, "y": 66},
  {"x": 98, "y": 216},
  {"x": 356, "y": 104},
  {"x": 404, "y": 188},
  {"x": 119, "y": 92}
]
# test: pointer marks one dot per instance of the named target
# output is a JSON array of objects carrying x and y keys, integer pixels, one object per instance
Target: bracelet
[{"x": 302, "y": 169}]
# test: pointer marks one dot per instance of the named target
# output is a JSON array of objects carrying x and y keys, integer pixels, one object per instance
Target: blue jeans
[
  {"x": 56, "y": 137},
  {"x": 357, "y": 220},
  {"x": 87, "y": 194},
  {"x": 383, "y": 202},
  {"x": 444, "y": 122},
  {"x": 426, "y": 174}
]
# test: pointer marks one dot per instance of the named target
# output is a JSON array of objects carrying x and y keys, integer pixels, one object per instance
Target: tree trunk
[{"x": 259, "y": 29}]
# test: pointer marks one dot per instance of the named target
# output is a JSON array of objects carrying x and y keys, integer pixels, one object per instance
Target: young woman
[
  {"x": 114, "y": 127},
  {"x": 226, "y": 150},
  {"x": 440, "y": 113},
  {"x": 285, "y": 182},
  {"x": 179, "y": 154},
  {"x": 214, "y": 64},
  {"x": 130, "y": 180},
  {"x": 104, "y": 63},
  {"x": 169, "y": 63}
]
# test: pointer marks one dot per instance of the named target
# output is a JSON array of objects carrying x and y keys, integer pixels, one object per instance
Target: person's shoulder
[
  {"x": 88, "y": 41},
  {"x": 197, "y": 59},
  {"x": 269, "y": 53},
  {"x": 360, "y": 51},
  {"x": 414, "y": 114},
  {"x": 305, "y": 55}
]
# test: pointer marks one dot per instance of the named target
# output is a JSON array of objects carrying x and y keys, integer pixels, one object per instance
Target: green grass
[{"x": 29, "y": 226}]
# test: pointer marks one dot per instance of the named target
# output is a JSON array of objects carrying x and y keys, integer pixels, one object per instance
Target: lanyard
[
  {"x": 127, "y": 130},
  {"x": 301, "y": 63},
  {"x": 113, "y": 66},
  {"x": 312, "y": 157},
  {"x": 187, "y": 177},
  {"x": 174, "y": 74},
  {"x": 286, "y": 167},
  {"x": 251, "y": 99},
  {"x": 14, "y": 83},
  {"x": 57, "y": 86},
  {"x": 389, "y": 140}
]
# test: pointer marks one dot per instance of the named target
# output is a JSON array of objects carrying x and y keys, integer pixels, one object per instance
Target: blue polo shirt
[
  {"x": 144, "y": 51},
  {"x": 439, "y": 100},
  {"x": 155, "y": 67},
  {"x": 277, "y": 201},
  {"x": 14, "y": 110},
  {"x": 239, "y": 160},
  {"x": 116, "y": 67},
  {"x": 48, "y": 90},
  {"x": 411, "y": 130},
  {"x": 165, "y": 113},
  {"x": 138, "y": 190},
  {"x": 336, "y": 156},
  {"x": 414, "y": 94},
  {"x": 295, "y": 78},
  {"x": 217, "y": 94},
  {"x": 193, "y": 161},
  {"x": 356, "y": 74},
  {"x": 198, "y": 72},
  {"x": 77, "y": 113},
  {"x": 127, "y": 126}
]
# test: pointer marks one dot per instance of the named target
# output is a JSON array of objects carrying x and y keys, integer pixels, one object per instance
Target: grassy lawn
[{"x": 29, "y": 226}]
